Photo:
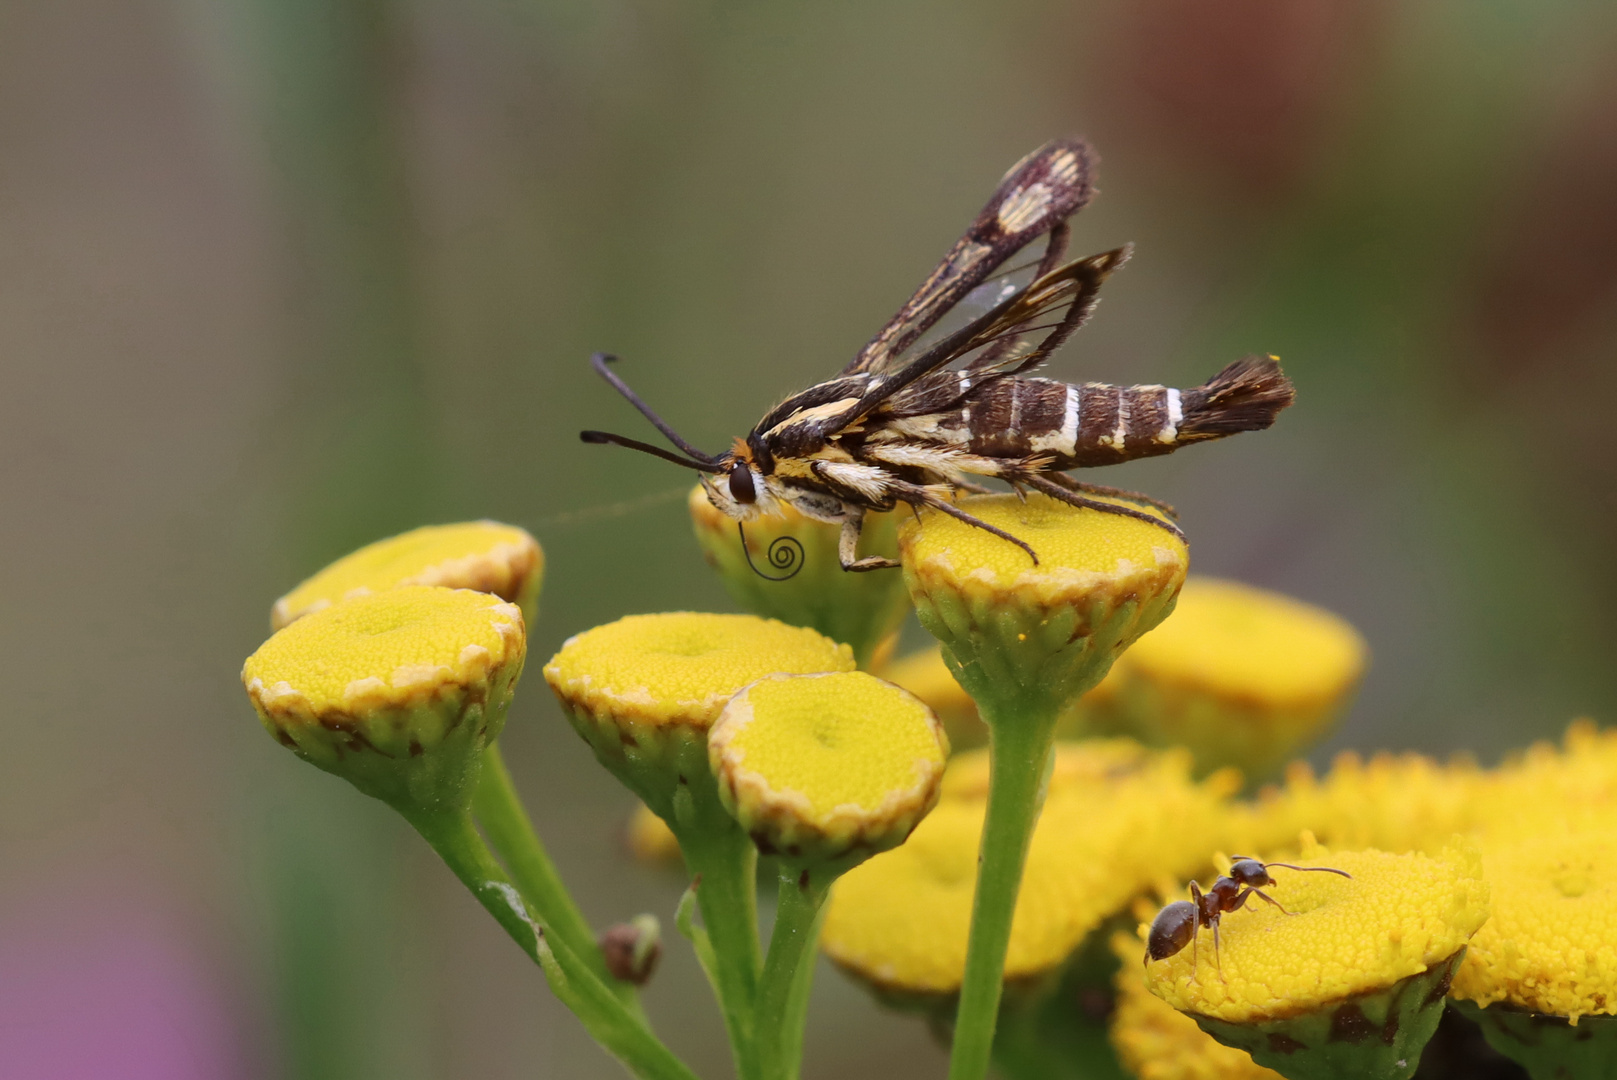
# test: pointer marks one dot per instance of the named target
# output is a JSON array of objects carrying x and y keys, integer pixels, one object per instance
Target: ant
[{"x": 1178, "y": 924}]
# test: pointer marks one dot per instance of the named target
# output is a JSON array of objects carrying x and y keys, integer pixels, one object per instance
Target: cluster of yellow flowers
[{"x": 1495, "y": 887}]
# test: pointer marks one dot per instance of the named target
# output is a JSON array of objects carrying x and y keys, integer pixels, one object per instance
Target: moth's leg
[
  {"x": 848, "y": 545},
  {"x": 1072, "y": 498},
  {"x": 912, "y": 494},
  {"x": 1087, "y": 488}
]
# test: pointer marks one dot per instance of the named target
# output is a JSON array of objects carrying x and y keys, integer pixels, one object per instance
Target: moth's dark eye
[{"x": 741, "y": 489}]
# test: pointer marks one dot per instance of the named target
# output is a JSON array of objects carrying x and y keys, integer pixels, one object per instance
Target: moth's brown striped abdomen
[{"x": 1080, "y": 425}]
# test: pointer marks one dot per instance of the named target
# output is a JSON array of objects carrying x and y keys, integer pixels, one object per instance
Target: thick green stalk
[
  {"x": 726, "y": 862},
  {"x": 456, "y": 840},
  {"x": 782, "y": 993},
  {"x": 510, "y": 832},
  {"x": 1019, "y": 745}
]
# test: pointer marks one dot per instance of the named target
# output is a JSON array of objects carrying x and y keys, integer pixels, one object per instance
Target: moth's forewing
[{"x": 1036, "y": 196}]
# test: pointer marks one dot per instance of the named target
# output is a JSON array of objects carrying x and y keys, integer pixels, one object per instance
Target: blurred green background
[{"x": 279, "y": 277}]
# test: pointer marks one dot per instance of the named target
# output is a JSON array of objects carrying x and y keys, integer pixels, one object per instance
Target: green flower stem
[
  {"x": 1019, "y": 745},
  {"x": 726, "y": 862},
  {"x": 781, "y": 990},
  {"x": 510, "y": 831},
  {"x": 455, "y": 839}
]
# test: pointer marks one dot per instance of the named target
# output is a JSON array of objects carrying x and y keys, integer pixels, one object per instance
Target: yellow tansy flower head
[
  {"x": 396, "y": 691},
  {"x": 1240, "y": 675},
  {"x": 1551, "y": 790},
  {"x": 1049, "y": 630},
  {"x": 1551, "y": 946},
  {"x": 1393, "y": 802},
  {"x": 1155, "y": 1041},
  {"x": 1115, "y": 819},
  {"x": 643, "y": 691},
  {"x": 805, "y": 583},
  {"x": 827, "y": 767},
  {"x": 482, "y": 555},
  {"x": 1352, "y": 982}
]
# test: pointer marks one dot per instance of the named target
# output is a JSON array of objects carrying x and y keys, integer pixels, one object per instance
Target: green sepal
[
  {"x": 1549, "y": 1047},
  {"x": 420, "y": 755},
  {"x": 1376, "y": 1036}
]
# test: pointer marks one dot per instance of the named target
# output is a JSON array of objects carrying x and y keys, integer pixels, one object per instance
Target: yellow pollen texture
[
  {"x": 1393, "y": 802},
  {"x": 1397, "y": 916},
  {"x": 482, "y": 555},
  {"x": 845, "y": 740},
  {"x": 1551, "y": 945},
  {"x": 682, "y": 667},
  {"x": 1250, "y": 644},
  {"x": 1076, "y": 547},
  {"x": 384, "y": 648}
]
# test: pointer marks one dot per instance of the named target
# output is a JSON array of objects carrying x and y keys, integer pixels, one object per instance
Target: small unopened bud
[{"x": 633, "y": 948}]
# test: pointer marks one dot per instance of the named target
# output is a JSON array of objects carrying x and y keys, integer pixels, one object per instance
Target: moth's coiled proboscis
[{"x": 785, "y": 554}]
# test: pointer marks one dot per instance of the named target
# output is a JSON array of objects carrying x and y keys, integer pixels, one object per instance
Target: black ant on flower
[{"x": 1178, "y": 924}]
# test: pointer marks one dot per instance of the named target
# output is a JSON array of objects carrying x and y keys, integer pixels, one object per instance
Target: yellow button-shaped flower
[
  {"x": 482, "y": 555},
  {"x": 1240, "y": 675},
  {"x": 644, "y": 690},
  {"x": 1397, "y": 916},
  {"x": 827, "y": 767},
  {"x": 925, "y": 675},
  {"x": 397, "y": 691},
  {"x": 1551, "y": 946},
  {"x": 683, "y": 667}
]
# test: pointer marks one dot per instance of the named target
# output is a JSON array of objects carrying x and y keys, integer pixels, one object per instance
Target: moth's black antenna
[
  {"x": 600, "y": 361},
  {"x": 785, "y": 553},
  {"x": 604, "y": 437}
]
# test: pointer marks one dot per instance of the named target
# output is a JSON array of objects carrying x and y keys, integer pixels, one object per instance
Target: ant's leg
[
  {"x": 1196, "y": 933},
  {"x": 1265, "y": 896},
  {"x": 848, "y": 545},
  {"x": 1218, "y": 955}
]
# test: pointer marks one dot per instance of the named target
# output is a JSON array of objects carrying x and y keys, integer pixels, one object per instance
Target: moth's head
[{"x": 742, "y": 489}]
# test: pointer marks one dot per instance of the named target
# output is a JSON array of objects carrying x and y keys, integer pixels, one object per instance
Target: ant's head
[{"x": 1249, "y": 872}]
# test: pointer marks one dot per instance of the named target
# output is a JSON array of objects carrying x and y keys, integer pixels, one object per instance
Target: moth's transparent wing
[
  {"x": 1036, "y": 197},
  {"x": 1013, "y": 338}
]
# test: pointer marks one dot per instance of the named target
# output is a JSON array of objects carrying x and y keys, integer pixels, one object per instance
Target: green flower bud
[
  {"x": 1021, "y": 636},
  {"x": 632, "y": 949}
]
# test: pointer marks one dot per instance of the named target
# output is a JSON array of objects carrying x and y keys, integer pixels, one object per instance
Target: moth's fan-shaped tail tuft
[{"x": 1246, "y": 396}]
